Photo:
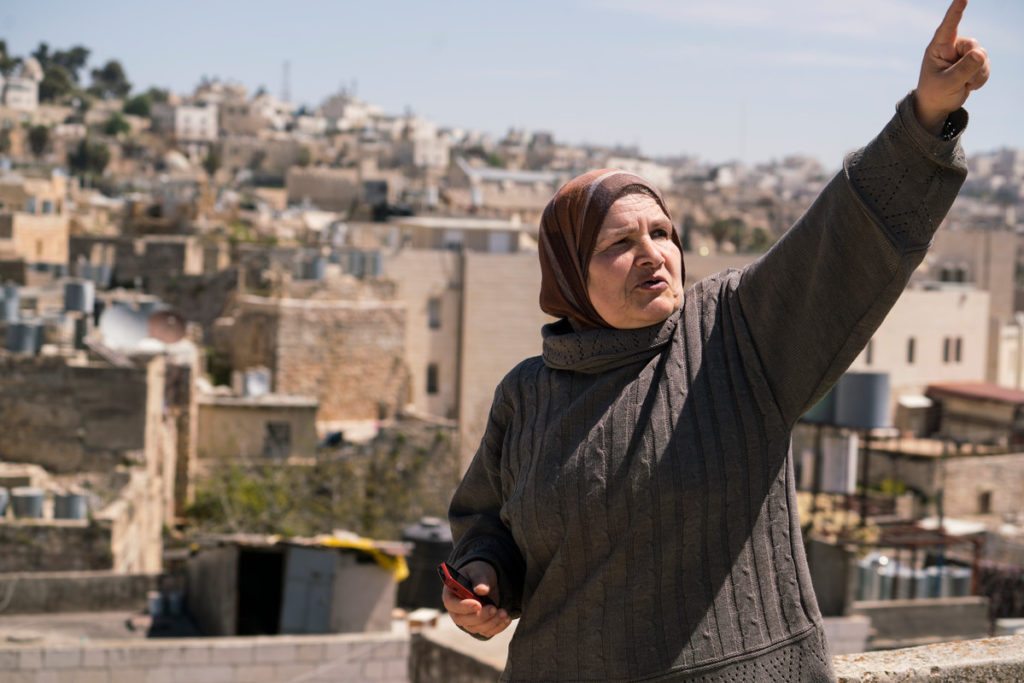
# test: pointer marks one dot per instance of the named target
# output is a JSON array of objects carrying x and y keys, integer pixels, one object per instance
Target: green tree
[
  {"x": 211, "y": 162},
  {"x": 57, "y": 84},
  {"x": 38, "y": 140},
  {"x": 7, "y": 65},
  {"x": 89, "y": 158},
  {"x": 116, "y": 125},
  {"x": 71, "y": 60},
  {"x": 140, "y": 105},
  {"x": 157, "y": 95},
  {"x": 304, "y": 157},
  {"x": 110, "y": 81}
]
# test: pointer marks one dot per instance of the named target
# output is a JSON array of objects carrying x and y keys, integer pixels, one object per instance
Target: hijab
[{"x": 569, "y": 228}]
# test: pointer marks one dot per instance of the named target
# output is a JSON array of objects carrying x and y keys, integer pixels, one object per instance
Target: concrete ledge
[
  {"x": 987, "y": 659},
  {"x": 81, "y": 591}
]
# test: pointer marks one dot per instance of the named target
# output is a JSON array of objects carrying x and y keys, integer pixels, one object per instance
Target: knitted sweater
[{"x": 634, "y": 489}]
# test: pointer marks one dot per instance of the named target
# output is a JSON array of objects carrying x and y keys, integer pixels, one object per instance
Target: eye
[{"x": 660, "y": 233}]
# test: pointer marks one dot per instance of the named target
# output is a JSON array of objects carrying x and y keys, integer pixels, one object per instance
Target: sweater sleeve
[
  {"x": 815, "y": 298},
  {"x": 478, "y": 531}
]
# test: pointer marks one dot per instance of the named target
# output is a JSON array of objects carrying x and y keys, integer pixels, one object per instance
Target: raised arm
[{"x": 814, "y": 300}]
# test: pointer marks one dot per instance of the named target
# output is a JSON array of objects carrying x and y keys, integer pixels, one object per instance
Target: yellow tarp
[{"x": 395, "y": 564}]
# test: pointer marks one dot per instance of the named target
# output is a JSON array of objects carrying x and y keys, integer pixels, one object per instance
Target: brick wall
[{"x": 275, "y": 659}]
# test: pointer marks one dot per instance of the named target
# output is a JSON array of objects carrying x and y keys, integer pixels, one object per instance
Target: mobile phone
[{"x": 460, "y": 585}]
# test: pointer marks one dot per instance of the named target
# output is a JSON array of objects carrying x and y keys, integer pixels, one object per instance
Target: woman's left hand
[{"x": 953, "y": 66}]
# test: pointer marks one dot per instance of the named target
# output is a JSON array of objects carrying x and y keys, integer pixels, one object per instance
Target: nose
[{"x": 648, "y": 253}]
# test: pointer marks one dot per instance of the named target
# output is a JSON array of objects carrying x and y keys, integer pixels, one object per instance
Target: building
[
  {"x": 498, "y": 192},
  {"x": 331, "y": 189},
  {"x": 34, "y": 225},
  {"x": 493, "y": 235},
  {"x": 20, "y": 90},
  {"x": 193, "y": 127},
  {"x": 265, "y": 426}
]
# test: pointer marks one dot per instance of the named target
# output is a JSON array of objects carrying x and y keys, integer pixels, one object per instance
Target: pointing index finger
[{"x": 947, "y": 30}]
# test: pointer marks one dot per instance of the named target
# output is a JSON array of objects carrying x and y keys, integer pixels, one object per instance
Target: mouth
[{"x": 654, "y": 284}]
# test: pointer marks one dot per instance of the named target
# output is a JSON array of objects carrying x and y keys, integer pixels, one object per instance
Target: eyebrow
[{"x": 658, "y": 223}]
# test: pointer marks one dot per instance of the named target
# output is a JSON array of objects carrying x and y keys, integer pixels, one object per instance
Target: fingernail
[{"x": 491, "y": 611}]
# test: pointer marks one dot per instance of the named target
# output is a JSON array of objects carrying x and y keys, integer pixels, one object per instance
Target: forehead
[{"x": 627, "y": 210}]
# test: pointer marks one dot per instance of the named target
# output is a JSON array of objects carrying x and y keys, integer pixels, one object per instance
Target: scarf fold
[{"x": 600, "y": 349}]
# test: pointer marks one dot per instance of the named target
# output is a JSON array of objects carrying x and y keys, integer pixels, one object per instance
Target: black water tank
[{"x": 432, "y": 543}]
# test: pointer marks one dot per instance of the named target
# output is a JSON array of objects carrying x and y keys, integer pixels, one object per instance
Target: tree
[
  {"x": 38, "y": 140},
  {"x": 116, "y": 125},
  {"x": 140, "y": 105},
  {"x": 157, "y": 95},
  {"x": 89, "y": 158},
  {"x": 71, "y": 60},
  {"x": 7, "y": 66},
  {"x": 57, "y": 84},
  {"x": 212, "y": 161},
  {"x": 110, "y": 81},
  {"x": 304, "y": 157}
]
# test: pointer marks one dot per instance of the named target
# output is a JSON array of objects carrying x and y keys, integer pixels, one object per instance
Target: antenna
[{"x": 286, "y": 77}]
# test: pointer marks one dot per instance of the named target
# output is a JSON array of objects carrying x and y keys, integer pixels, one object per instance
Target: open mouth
[{"x": 654, "y": 283}]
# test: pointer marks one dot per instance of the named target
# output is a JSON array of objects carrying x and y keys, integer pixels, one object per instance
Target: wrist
[{"x": 931, "y": 119}]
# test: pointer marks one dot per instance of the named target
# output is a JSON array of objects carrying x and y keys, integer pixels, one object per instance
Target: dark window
[
  {"x": 869, "y": 352},
  {"x": 434, "y": 313},
  {"x": 432, "y": 379},
  {"x": 277, "y": 440},
  {"x": 947, "y": 344},
  {"x": 910, "y": 351},
  {"x": 958, "y": 349},
  {"x": 985, "y": 503}
]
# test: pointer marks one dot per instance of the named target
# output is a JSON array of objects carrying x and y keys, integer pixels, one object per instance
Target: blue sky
[{"x": 726, "y": 79}]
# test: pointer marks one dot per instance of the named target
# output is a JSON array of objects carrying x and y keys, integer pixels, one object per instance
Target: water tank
[
  {"x": 24, "y": 337},
  {"x": 432, "y": 543},
  {"x": 256, "y": 382},
  {"x": 372, "y": 264},
  {"x": 82, "y": 326},
  {"x": 824, "y": 411},
  {"x": 5, "y": 496},
  {"x": 314, "y": 269},
  {"x": 79, "y": 295},
  {"x": 862, "y": 400},
  {"x": 9, "y": 307},
  {"x": 70, "y": 506},
  {"x": 27, "y": 502}
]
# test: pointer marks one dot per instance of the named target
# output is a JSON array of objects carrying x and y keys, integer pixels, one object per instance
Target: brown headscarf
[{"x": 568, "y": 232}]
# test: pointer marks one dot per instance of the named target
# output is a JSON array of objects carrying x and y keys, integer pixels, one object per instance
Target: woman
[{"x": 633, "y": 499}]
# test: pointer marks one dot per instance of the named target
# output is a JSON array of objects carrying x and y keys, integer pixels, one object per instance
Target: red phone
[{"x": 460, "y": 585}]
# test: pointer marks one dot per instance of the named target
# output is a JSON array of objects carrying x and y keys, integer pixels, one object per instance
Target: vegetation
[
  {"x": 110, "y": 81},
  {"x": 38, "y": 140},
  {"x": 375, "y": 489},
  {"x": 116, "y": 125},
  {"x": 89, "y": 159}
]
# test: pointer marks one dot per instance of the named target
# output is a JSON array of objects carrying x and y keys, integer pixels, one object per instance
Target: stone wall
[
  {"x": 74, "y": 591},
  {"x": 347, "y": 354},
  {"x": 233, "y": 428},
  {"x": 73, "y": 418},
  {"x": 275, "y": 659}
]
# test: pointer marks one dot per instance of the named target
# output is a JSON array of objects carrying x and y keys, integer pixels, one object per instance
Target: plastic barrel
[
  {"x": 27, "y": 502},
  {"x": 432, "y": 539},
  {"x": 79, "y": 295},
  {"x": 24, "y": 337},
  {"x": 5, "y": 496},
  {"x": 70, "y": 506}
]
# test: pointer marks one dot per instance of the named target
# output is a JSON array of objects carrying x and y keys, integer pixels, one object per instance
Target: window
[
  {"x": 30, "y": 205},
  {"x": 985, "y": 503},
  {"x": 958, "y": 348},
  {"x": 910, "y": 351},
  {"x": 947, "y": 345},
  {"x": 277, "y": 440},
  {"x": 432, "y": 379},
  {"x": 434, "y": 313},
  {"x": 47, "y": 206},
  {"x": 869, "y": 352}
]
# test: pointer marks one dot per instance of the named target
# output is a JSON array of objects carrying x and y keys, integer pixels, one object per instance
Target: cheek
[{"x": 606, "y": 277}]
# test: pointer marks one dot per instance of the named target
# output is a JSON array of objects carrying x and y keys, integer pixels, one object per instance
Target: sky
[{"x": 730, "y": 79}]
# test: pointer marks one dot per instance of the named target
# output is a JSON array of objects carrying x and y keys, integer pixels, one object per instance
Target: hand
[
  {"x": 953, "y": 66},
  {"x": 471, "y": 615}
]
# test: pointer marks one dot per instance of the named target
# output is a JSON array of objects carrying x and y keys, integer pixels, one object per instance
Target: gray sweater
[{"x": 634, "y": 489}]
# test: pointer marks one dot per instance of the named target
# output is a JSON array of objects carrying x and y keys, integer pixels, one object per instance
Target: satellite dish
[
  {"x": 122, "y": 327},
  {"x": 167, "y": 326}
]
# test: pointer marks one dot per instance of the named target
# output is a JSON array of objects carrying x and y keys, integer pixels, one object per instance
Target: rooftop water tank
[
  {"x": 79, "y": 295},
  {"x": 27, "y": 502},
  {"x": 24, "y": 337},
  {"x": 73, "y": 505},
  {"x": 5, "y": 496},
  {"x": 9, "y": 304}
]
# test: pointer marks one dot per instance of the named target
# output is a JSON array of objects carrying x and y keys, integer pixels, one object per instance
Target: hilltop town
[{"x": 243, "y": 337}]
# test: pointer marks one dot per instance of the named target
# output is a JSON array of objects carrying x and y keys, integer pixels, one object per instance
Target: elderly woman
[{"x": 633, "y": 498}]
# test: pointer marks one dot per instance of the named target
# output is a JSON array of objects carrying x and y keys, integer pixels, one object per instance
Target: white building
[{"x": 21, "y": 89}]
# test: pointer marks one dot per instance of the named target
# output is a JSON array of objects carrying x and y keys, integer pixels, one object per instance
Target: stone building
[
  {"x": 100, "y": 426},
  {"x": 268, "y": 426},
  {"x": 33, "y": 223},
  {"x": 348, "y": 354}
]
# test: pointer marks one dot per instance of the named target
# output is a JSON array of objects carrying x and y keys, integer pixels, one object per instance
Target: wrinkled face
[{"x": 635, "y": 279}]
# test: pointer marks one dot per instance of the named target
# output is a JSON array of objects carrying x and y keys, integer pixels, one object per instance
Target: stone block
[
  {"x": 10, "y": 660},
  {"x": 311, "y": 652},
  {"x": 62, "y": 658},
  {"x": 256, "y": 673},
  {"x": 271, "y": 654},
  {"x": 128, "y": 674},
  {"x": 290, "y": 672},
  {"x": 94, "y": 657},
  {"x": 204, "y": 673},
  {"x": 231, "y": 653},
  {"x": 91, "y": 676},
  {"x": 30, "y": 659},
  {"x": 374, "y": 670}
]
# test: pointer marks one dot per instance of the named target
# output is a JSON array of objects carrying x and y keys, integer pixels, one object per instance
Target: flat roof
[
  {"x": 263, "y": 401},
  {"x": 981, "y": 391},
  {"x": 459, "y": 223}
]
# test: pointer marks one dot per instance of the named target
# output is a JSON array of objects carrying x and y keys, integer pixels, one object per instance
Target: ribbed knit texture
[{"x": 634, "y": 488}]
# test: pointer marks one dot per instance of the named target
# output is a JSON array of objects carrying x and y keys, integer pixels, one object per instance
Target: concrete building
[
  {"x": 930, "y": 335},
  {"x": 493, "y": 236},
  {"x": 331, "y": 189},
  {"x": 193, "y": 127},
  {"x": 268, "y": 426},
  {"x": 33, "y": 223},
  {"x": 497, "y": 192}
]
